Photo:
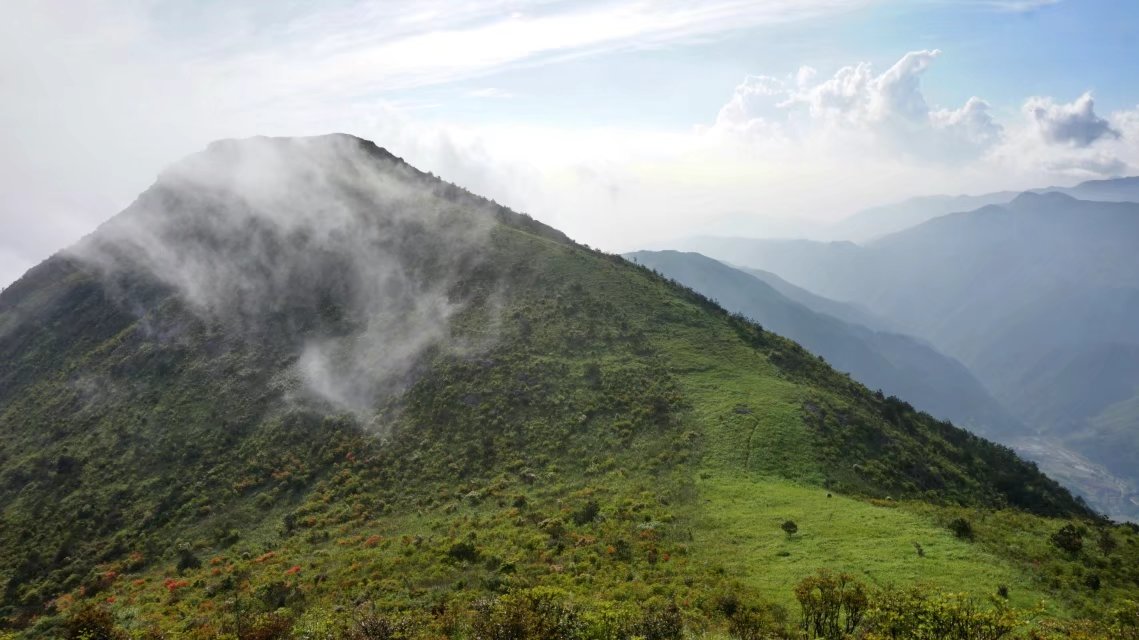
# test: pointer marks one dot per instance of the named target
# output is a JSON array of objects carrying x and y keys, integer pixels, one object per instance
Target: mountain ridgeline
[
  {"x": 871, "y": 224},
  {"x": 298, "y": 376}
]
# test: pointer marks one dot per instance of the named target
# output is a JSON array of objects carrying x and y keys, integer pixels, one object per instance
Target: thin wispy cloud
[
  {"x": 375, "y": 47},
  {"x": 491, "y": 92},
  {"x": 999, "y": 6},
  {"x": 1019, "y": 6}
]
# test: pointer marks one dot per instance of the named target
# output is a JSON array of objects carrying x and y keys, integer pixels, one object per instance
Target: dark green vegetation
[
  {"x": 584, "y": 450},
  {"x": 1037, "y": 297}
]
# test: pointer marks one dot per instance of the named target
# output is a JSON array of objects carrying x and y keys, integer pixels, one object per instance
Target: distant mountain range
[
  {"x": 876, "y": 222},
  {"x": 1038, "y": 297}
]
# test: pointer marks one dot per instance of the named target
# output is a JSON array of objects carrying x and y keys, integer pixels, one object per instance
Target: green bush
[
  {"x": 832, "y": 604},
  {"x": 541, "y": 613},
  {"x": 464, "y": 552},
  {"x": 961, "y": 528},
  {"x": 756, "y": 623},
  {"x": 916, "y": 615},
  {"x": 661, "y": 622},
  {"x": 92, "y": 623},
  {"x": 270, "y": 626},
  {"x": 1069, "y": 539},
  {"x": 587, "y": 513},
  {"x": 377, "y": 626}
]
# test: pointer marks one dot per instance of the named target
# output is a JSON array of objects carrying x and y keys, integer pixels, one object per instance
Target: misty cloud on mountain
[{"x": 329, "y": 240}]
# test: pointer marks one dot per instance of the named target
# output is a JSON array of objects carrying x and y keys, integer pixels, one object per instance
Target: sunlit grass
[{"x": 740, "y": 531}]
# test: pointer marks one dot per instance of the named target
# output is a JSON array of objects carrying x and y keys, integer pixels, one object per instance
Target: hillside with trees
[{"x": 300, "y": 389}]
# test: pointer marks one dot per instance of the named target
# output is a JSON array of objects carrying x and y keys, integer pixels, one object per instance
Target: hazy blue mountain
[
  {"x": 1110, "y": 190},
  {"x": 845, "y": 311},
  {"x": 881, "y": 220},
  {"x": 808, "y": 264},
  {"x": 896, "y": 364},
  {"x": 1039, "y": 297},
  {"x": 875, "y": 222}
]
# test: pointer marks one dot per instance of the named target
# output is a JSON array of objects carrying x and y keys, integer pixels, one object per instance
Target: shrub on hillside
[
  {"x": 587, "y": 513},
  {"x": 832, "y": 604},
  {"x": 746, "y": 622},
  {"x": 540, "y": 612},
  {"x": 661, "y": 622},
  {"x": 916, "y": 615},
  {"x": 464, "y": 552},
  {"x": 92, "y": 623},
  {"x": 373, "y": 625},
  {"x": 1106, "y": 542},
  {"x": 961, "y": 528},
  {"x": 270, "y": 626},
  {"x": 1069, "y": 539},
  {"x": 187, "y": 560}
]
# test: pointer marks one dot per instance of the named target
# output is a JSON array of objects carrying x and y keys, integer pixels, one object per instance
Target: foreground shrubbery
[{"x": 833, "y": 606}]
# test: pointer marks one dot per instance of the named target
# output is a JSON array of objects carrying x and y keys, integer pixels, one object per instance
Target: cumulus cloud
[
  {"x": 888, "y": 108},
  {"x": 1074, "y": 123},
  {"x": 897, "y": 92},
  {"x": 749, "y": 107},
  {"x": 1056, "y": 141},
  {"x": 972, "y": 121}
]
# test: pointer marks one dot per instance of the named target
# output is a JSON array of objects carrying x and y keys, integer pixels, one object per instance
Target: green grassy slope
[
  {"x": 588, "y": 427},
  {"x": 744, "y": 515}
]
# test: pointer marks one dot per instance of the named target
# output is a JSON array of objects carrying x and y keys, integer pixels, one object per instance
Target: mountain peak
[
  {"x": 1036, "y": 199},
  {"x": 264, "y": 155},
  {"x": 1119, "y": 181}
]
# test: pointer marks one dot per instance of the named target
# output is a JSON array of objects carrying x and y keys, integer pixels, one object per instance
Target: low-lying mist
[{"x": 330, "y": 244}]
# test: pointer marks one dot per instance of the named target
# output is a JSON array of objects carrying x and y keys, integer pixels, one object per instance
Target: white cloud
[
  {"x": 1058, "y": 141},
  {"x": 490, "y": 92},
  {"x": 1074, "y": 123},
  {"x": 897, "y": 92},
  {"x": 887, "y": 110},
  {"x": 972, "y": 124}
]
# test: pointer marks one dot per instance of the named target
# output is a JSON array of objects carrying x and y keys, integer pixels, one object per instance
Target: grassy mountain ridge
[{"x": 193, "y": 462}]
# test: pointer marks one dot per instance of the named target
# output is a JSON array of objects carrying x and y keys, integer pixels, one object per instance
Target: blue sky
[
  {"x": 1001, "y": 53},
  {"x": 625, "y": 123}
]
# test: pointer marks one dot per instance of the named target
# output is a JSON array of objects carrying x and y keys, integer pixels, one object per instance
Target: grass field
[{"x": 740, "y": 531}]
